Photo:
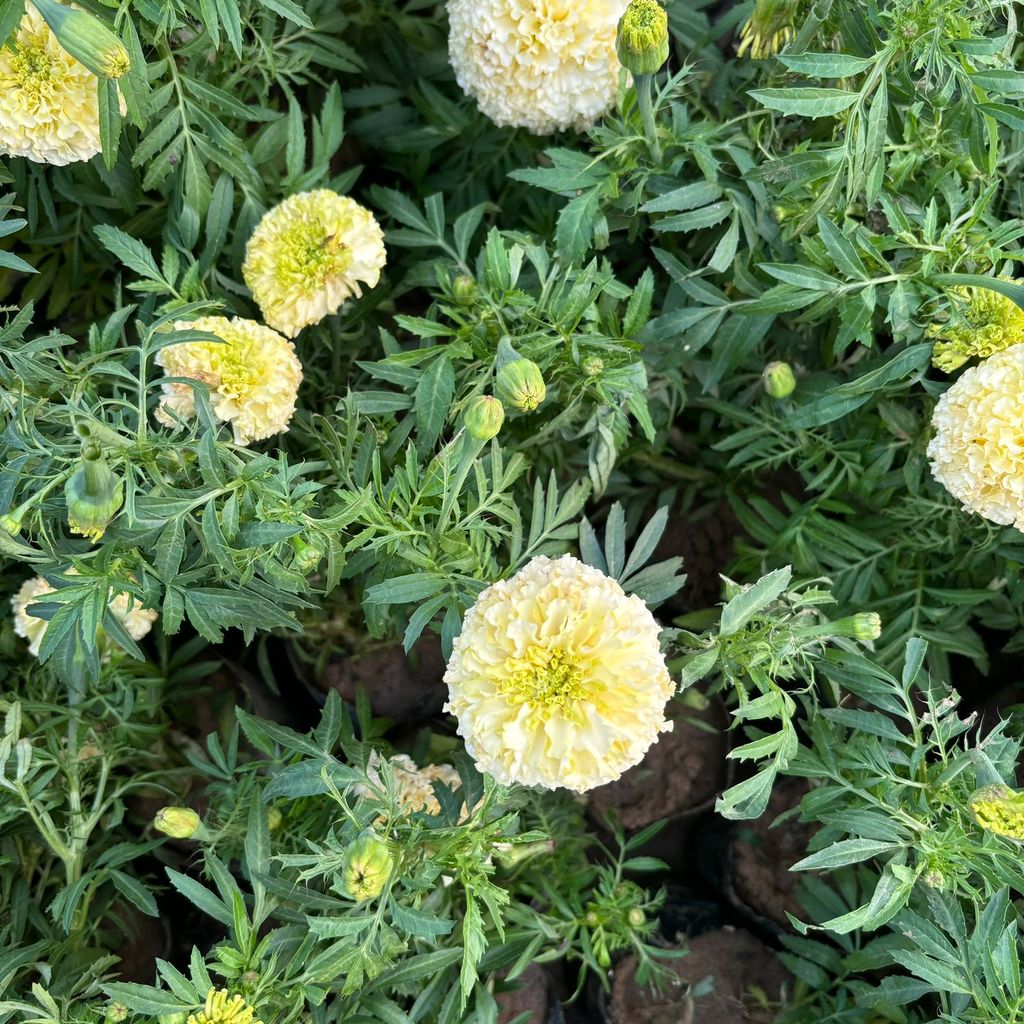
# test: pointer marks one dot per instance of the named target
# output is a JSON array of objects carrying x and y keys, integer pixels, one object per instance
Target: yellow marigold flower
[
  {"x": 138, "y": 621},
  {"x": 544, "y": 65},
  {"x": 769, "y": 29},
  {"x": 223, "y": 1008},
  {"x": 989, "y": 322},
  {"x": 253, "y": 375},
  {"x": 1000, "y": 810},
  {"x": 49, "y": 110},
  {"x": 308, "y": 255},
  {"x": 976, "y": 453},
  {"x": 557, "y": 678}
]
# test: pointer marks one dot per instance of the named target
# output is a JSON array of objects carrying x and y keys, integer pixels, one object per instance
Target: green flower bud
[
  {"x": 636, "y": 917},
  {"x": 509, "y": 855},
  {"x": 94, "y": 494},
  {"x": 999, "y": 810},
  {"x": 779, "y": 380},
  {"x": 177, "y": 822},
  {"x": 465, "y": 290},
  {"x": 642, "y": 42},
  {"x": 86, "y": 38},
  {"x": 11, "y": 524},
  {"x": 484, "y": 417},
  {"x": 592, "y": 366},
  {"x": 867, "y": 626},
  {"x": 308, "y": 555},
  {"x": 274, "y": 818},
  {"x": 592, "y": 919},
  {"x": 367, "y": 868},
  {"x": 934, "y": 878},
  {"x": 116, "y": 1012}
]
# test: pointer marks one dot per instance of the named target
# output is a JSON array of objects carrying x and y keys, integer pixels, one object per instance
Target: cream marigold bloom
[
  {"x": 415, "y": 784},
  {"x": 253, "y": 375},
  {"x": 223, "y": 1008},
  {"x": 49, "y": 107},
  {"x": 557, "y": 678},
  {"x": 310, "y": 254},
  {"x": 137, "y": 621},
  {"x": 545, "y": 65},
  {"x": 977, "y": 453}
]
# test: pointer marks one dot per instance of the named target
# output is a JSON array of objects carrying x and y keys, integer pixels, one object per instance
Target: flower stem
[{"x": 644, "y": 85}]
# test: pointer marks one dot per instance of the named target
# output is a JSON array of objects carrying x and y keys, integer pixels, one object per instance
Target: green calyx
[
  {"x": 86, "y": 38},
  {"x": 518, "y": 381},
  {"x": 94, "y": 494},
  {"x": 643, "y": 43},
  {"x": 484, "y": 417},
  {"x": 368, "y": 866}
]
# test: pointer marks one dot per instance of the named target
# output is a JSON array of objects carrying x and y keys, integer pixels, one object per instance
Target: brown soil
[
  {"x": 705, "y": 542},
  {"x": 532, "y": 995},
  {"x": 400, "y": 686},
  {"x": 682, "y": 772},
  {"x": 747, "y": 976},
  {"x": 762, "y": 856}
]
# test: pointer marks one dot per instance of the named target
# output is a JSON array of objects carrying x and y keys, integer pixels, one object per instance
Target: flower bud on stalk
[
  {"x": 518, "y": 381},
  {"x": 642, "y": 42},
  {"x": 307, "y": 556},
  {"x": 86, "y": 38},
  {"x": 179, "y": 823},
  {"x": 484, "y": 417},
  {"x": 779, "y": 380},
  {"x": 368, "y": 866},
  {"x": 94, "y": 494},
  {"x": 465, "y": 290}
]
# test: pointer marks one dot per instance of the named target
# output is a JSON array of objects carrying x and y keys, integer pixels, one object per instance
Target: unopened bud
[
  {"x": 484, "y": 417},
  {"x": 642, "y": 42},
  {"x": 465, "y": 290},
  {"x": 307, "y": 555},
  {"x": 86, "y": 38},
  {"x": 636, "y": 917},
  {"x": 274, "y": 819},
  {"x": 518, "y": 381},
  {"x": 116, "y": 1012},
  {"x": 867, "y": 626},
  {"x": 592, "y": 366},
  {"x": 934, "y": 878},
  {"x": 177, "y": 822},
  {"x": 367, "y": 868},
  {"x": 509, "y": 855},
  {"x": 94, "y": 494},
  {"x": 779, "y": 380}
]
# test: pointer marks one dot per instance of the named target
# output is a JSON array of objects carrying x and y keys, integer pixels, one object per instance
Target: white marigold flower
[
  {"x": 415, "y": 784},
  {"x": 557, "y": 678},
  {"x": 253, "y": 375},
  {"x": 977, "y": 453},
  {"x": 544, "y": 65},
  {"x": 310, "y": 254},
  {"x": 49, "y": 107},
  {"x": 137, "y": 621}
]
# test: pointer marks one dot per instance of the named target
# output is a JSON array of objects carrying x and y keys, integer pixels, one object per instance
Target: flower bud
[
  {"x": 86, "y": 38},
  {"x": 484, "y": 417},
  {"x": 509, "y": 855},
  {"x": 999, "y": 810},
  {"x": 177, "y": 822},
  {"x": 11, "y": 524},
  {"x": 779, "y": 380},
  {"x": 642, "y": 42},
  {"x": 465, "y": 290},
  {"x": 94, "y": 494},
  {"x": 592, "y": 366},
  {"x": 934, "y": 878},
  {"x": 116, "y": 1012},
  {"x": 592, "y": 919},
  {"x": 308, "y": 555},
  {"x": 367, "y": 868},
  {"x": 867, "y": 626},
  {"x": 274, "y": 818},
  {"x": 636, "y": 917}
]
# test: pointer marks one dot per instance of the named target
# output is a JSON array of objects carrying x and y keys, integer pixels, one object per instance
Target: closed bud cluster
[
  {"x": 642, "y": 43},
  {"x": 86, "y": 38},
  {"x": 368, "y": 866},
  {"x": 779, "y": 380},
  {"x": 484, "y": 417}
]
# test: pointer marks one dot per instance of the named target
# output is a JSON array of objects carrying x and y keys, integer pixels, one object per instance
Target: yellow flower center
[
  {"x": 309, "y": 258},
  {"x": 31, "y": 64},
  {"x": 547, "y": 679}
]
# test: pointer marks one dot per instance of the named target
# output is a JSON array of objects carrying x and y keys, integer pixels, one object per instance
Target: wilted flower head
[
  {"x": 223, "y": 1008},
  {"x": 557, "y": 678},
  {"x": 49, "y": 106},
  {"x": 308, "y": 255},
  {"x": 989, "y": 322},
  {"x": 769, "y": 28},
  {"x": 976, "y": 453},
  {"x": 253, "y": 375},
  {"x": 415, "y": 784},
  {"x": 137, "y": 621},
  {"x": 545, "y": 65}
]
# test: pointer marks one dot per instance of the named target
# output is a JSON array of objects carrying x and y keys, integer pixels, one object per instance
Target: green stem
[{"x": 644, "y": 85}]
